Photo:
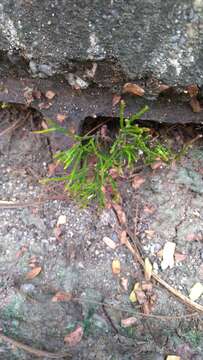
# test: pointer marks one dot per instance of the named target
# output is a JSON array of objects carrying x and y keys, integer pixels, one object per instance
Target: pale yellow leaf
[
  {"x": 173, "y": 357},
  {"x": 116, "y": 266},
  {"x": 137, "y": 286},
  {"x": 168, "y": 255},
  {"x": 196, "y": 291},
  {"x": 147, "y": 269},
  {"x": 133, "y": 297}
]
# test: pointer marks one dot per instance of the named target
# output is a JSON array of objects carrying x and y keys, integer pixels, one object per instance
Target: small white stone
[{"x": 61, "y": 220}]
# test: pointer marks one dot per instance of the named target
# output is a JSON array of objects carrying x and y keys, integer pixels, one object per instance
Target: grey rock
[
  {"x": 143, "y": 37},
  {"x": 28, "y": 288}
]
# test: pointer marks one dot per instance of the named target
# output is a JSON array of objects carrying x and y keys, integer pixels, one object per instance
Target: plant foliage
[{"x": 89, "y": 162}]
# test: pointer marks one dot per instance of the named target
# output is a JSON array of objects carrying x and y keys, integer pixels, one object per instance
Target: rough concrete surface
[{"x": 76, "y": 260}]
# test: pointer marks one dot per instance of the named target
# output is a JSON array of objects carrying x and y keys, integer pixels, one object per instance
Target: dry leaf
[
  {"x": 163, "y": 87},
  {"x": 123, "y": 237},
  {"x": 51, "y": 168},
  {"x": 50, "y": 94},
  {"x": 137, "y": 286},
  {"x": 133, "y": 297},
  {"x": 168, "y": 255},
  {"x": 133, "y": 89},
  {"x": 141, "y": 297},
  {"x": 33, "y": 273},
  {"x": 146, "y": 286},
  {"x": 44, "y": 125},
  {"x": 58, "y": 232},
  {"x": 194, "y": 237},
  {"x": 124, "y": 283},
  {"x": 128, "y": 322},
  {"x": 60, "y": 118},
  {"x": 146, "y": 308},
  {"x": 44, "y": 105},
  {"x": 61, "y": 220},
  {"x": 120, "y": 214},
  {"x": 116, "y": 267},
  {"x": 192, "y": 90},
  {"x": 173, "y": 357},
  {"x": 74, "y": 337},
  {"x": 116, "y": 99},
  {"x": 137, "y": 182},
  {"x": 195, "y": 105},
  {"x": 150, "y": 233},
  {"x": 149, "y": 209},
  {"x": 196, "y": 291},
  {"x": 157, "y": 165},
  {"x": 62, "y": 296},
  {"x": 180, "y": 257},
  {"x": 147, "y": 269},
  {"x": 110, "y": 243}
]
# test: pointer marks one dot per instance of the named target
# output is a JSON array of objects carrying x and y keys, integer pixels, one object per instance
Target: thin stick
[
  {"x": 31, "y": 350},
  {"x": 15, "y": 125},
  {"x": 173, "y": 291}
]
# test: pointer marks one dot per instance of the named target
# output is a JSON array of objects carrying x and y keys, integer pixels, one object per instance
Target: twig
[
  {"x": 134, "y": 250},
  {"x": 31, "y": 350},
  {"x": 15, "y": 125}
]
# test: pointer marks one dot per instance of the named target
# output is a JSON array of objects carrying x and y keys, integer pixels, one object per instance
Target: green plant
[{"x": 90, "y": 161}]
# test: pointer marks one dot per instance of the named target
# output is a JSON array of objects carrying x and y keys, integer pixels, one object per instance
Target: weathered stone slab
[
  {"x": 163, "y": 38},
  {"x": 98, "y": 44}
]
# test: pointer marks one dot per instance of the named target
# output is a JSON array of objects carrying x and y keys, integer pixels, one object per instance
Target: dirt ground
[{"x": 74, "y": 258}]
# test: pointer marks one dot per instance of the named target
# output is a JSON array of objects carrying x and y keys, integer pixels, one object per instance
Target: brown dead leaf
[
  {"x": 147, "y": 269},
  {"x": 51, "y": 168},
  {"x": 180, "y": 257},
  {"x": 60, "y": 118},
  {"x": 74, "y": 337},
  {"x": 120, "y": 213},
  {"x": 195, "y": 105},
  {"x": 62, "y": 296},
  {"x": 50, "y": 94},
  {"x": 150, "y": 233},
  {"x": 149, "y": 209},
  {"x": 116, "y": 99},
  {"x": 173, "y": 357},
  {"x": 137, "y": 181},
  {"x": 157, "y": 165},
  {"x": 141, "y": 297},
  {"x": 123, "y": 237},
  {"x": 116, "y": 267},
  {"x": 146, "y": 308},
  {"x": 109, "y": 242},
  {"x": 36, "y": 94},
  {"x": 44, "y": 125},
  {"x": 192, "y": 90},
  {"x": 168, "y": 255},
  {"x": 33, "y": 273},
  {"x": 133, "y": 89},
  {"x": 147, "y": 286},
  {"x": 128, "y": 322},
  {"x": 124, "y": 283},
  {"x": 44, "y": 105},
  {"x": 58, "y": 232},
  {"x": 163, "y": 87},
  {"x": 22, "y": 250},
  {"x": 194, "y": 237}
]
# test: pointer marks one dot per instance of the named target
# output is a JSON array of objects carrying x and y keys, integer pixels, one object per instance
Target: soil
[{"x": 74, "y": 258}]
